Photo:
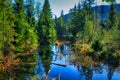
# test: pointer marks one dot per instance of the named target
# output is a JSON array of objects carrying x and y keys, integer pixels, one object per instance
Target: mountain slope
[{"x": 98, "y": 9}]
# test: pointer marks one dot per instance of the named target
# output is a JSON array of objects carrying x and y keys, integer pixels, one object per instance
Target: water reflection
[
  {"x": 58, "y": 66},
  {"x": 62, "y": 56},
  {"x": 22, "y": 68}
]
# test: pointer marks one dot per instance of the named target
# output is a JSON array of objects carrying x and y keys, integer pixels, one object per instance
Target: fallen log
[{"x": 64, "y": 65}]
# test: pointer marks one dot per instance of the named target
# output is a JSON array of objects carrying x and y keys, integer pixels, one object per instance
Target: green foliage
[
  {"x": 46, "y": 27},
  {"x": 88, "y": 33},
  {"x": 7, "y": 32},
  {"x": 103, "y": 39},
  {"x": 20, "y": 26},
  {"x": 112, "y": 17},
  {"x": 111, "y": 36},
  {"x": 21, "y": 33},
  {"x": 30, "y": 12},
  {"x": 32, "y": 38},
  {"x": 81, "y": 54},
  {"x": 25, "y": 37},
  {"x": 77, "y": 22},
  {"x": 26, "y": 57},
  {"x": 81, "y": 22},
  {"x": 61, "y": 26},
  {"x": 46, "y": 35}
]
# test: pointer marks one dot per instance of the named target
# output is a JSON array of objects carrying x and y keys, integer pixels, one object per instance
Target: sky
[{"x": 58, "y": 5}]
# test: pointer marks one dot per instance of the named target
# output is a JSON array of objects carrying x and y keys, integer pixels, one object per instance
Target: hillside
[{"x": 98, "y": 9}]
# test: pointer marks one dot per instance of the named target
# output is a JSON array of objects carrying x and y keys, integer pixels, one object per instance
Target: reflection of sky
[
  {"x": 70, "y": 72},
  {"x": 58, "y": 5}
]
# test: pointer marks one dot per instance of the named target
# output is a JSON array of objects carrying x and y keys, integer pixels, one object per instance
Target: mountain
[
  {"x": 98, "y": 9},
  {"x": 106, "y": 9}
]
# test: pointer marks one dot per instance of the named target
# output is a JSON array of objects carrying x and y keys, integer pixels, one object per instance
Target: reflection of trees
[
  {"x": 87, "y": 72},
  {"x": 18, "y": 67},
  {"x": 110, "y": 72},
  {"x": 46, "y": 56},
  {"x": 88, "y": 55},
  {"x": 18, "y": 72},
  {"x": 81, "y": 58},
  {"x": 111, "y": 58},
  {"x": 23, "y": 71}
]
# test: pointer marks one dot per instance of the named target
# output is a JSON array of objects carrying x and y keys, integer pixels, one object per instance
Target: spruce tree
[
  {"x": 7, "y": 19},
  {"x": 30, "y": 11},
  {"x": 31, "y": 29},
  {"x": 46, "y": 33},
  {"x": 61, "y": 28},
  {"x": 22, "y": 28},
  {"x": 112, "y": 33},
  {"x": 46, "y": 26},
  {"x": 103, "y": 21},
  {"x": 77, "y": 22},
  {"x": 112, "y": 17}
]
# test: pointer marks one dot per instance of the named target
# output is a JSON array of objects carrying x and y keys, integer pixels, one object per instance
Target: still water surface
[{"x": 72, "y": 72}]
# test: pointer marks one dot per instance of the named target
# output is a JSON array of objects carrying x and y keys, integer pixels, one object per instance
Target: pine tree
[
  {"x": 46, "y": 30},
  {"x": 31, "y": 29},
  {"x": 112, "y": 17},
  {"x": 21, "y": 28},
  {"x": 90, "y": 3},
  {"x": 77, "y": 22},
  {"x": 112, "y": 34},
  {"x": 89, "y": 28},
  {"x": 61, "y": 28},
  {"x": 103, "y": 21},
  {"x": 7, "y": 19},
  {"x": 46, "y": 33},
  {"x": 30, "y": 11}
]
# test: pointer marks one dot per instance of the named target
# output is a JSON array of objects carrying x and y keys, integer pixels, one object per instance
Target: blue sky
[{"x": 65, "y": 5}]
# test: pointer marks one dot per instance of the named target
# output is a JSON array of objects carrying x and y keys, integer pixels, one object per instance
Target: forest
[{"x": 28, "y": 28}]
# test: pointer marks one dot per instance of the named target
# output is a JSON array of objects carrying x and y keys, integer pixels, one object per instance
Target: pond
[
  {"x": 62, "y": 69},
  {"x": 59, "y": 67}
]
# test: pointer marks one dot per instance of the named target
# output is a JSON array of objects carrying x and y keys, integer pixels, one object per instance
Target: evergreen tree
[
  {"x": 31, "y": 29},
  {"x": 112, "y": 17},
  {"x": 25, "y": 37},
  {"x": 79, "y": 6},
  {"x": 7, "y": 19},
  {"x": 30, "y": 11},
  {"x": 90, "y": 3},
  {"x": 46, "y": 32},
  {"x": 88, "y": 31},
  {"x": 77, "y": 22},
  {"x": 103, "y": 21},
  {"x": 61, "y": 28},
  {"x": 112, "y": 34},
  {"x": 20, "y": 26},
  {"x": 89, "y": 28}
]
